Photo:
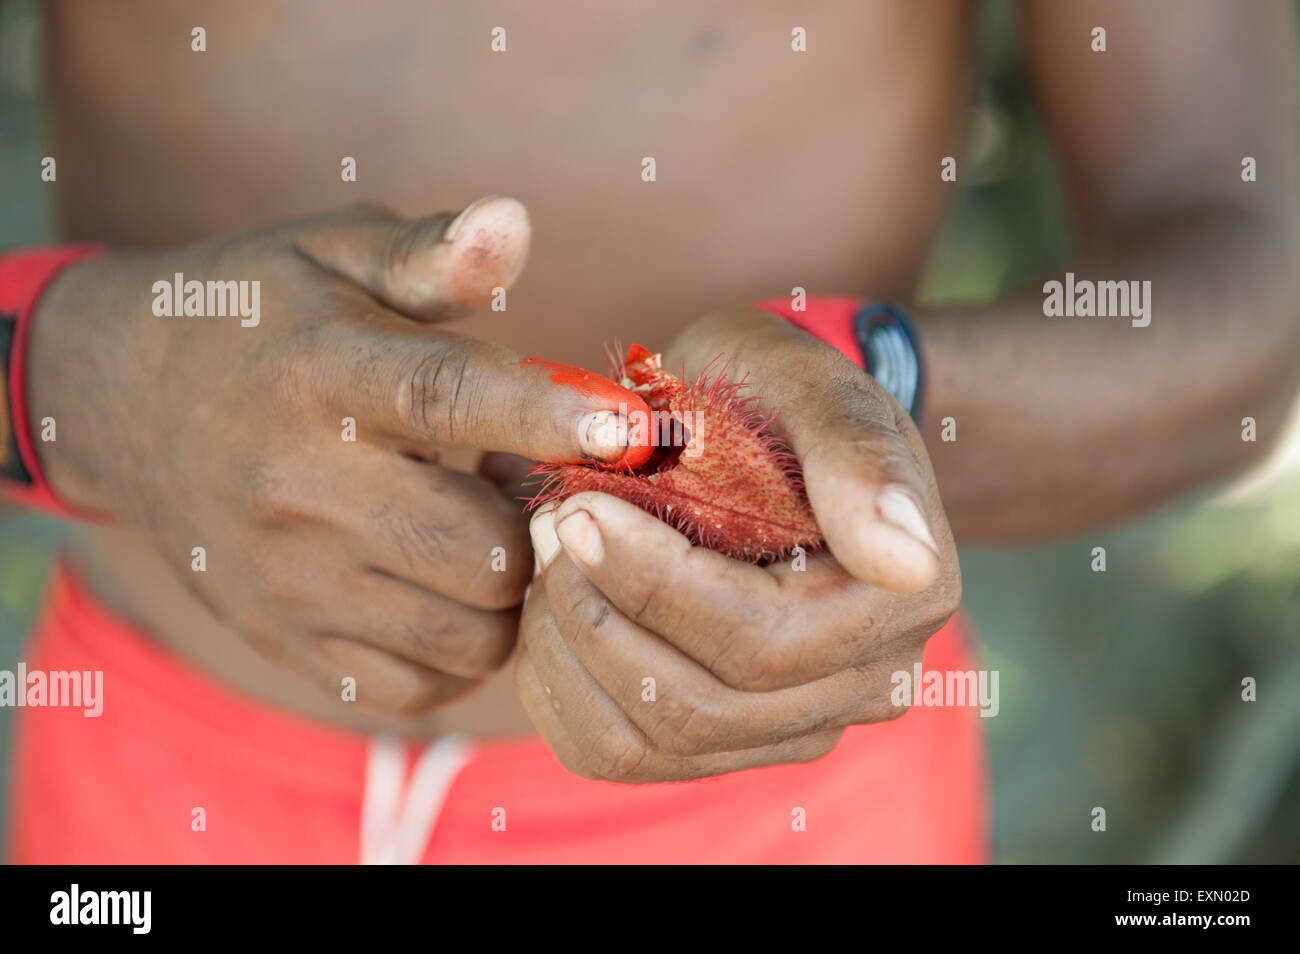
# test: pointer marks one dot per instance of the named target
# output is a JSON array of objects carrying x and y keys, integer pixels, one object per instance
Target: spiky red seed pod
[{"x": 717, "y": 474}]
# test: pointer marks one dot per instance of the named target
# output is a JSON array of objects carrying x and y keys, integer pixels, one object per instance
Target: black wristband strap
[
  {"x": 12, "y": 468},
  {"x": 891, "y": 351}
]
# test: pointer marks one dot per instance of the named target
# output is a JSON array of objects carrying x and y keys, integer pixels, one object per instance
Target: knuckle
[
  {"x": 818, "y": 746},
  {"x": 441, "y": 542},
  {"x": 572, "y": 761},
  {"x": 664, "y": 601},
  {"x": 268, "y": 500},
  {"x": 408, "y": 239},
  {"x": 884, "y": 710},
  {"x": 761, "y": 648},
  {"x": 617, "y": 754},
  {"x": 467, "y": 644},
  {"x": 425, "y": 639},
  {"x": 865, "y": 436},
  {"x": 501, "y": 590},
  {"x": 488, "y": 646},
  {"x": 892, "y": 460},
  {"x": 653, "y": 609},
  {"x": 435, "y": 395},
  {"x": 586, "y": 616},
  {"x": 425, "y": 540},
  {"x": 278, "y": 492},
  {"x": 267, "y": 641},
  {"x": 882, "y": 703},
  {"x": 277, "y": 579},
  {"x": 687, "y": 728},
  {"x": 915, "y": 618},
  {"x": 860, "y": 405},
  {"x": 407, "y": 700},
  {"x": 400, "y": 688},
  {"x": 755, "y": 664}
]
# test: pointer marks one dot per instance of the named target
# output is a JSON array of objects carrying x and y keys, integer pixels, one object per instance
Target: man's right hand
[{"x": 337, "y": 557}]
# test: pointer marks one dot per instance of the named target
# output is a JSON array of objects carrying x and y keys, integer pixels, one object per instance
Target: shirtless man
[{"x": 328, "y": 560}]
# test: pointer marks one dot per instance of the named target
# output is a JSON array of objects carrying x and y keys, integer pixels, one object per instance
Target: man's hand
[
  {"x": 646, "y": 659},
  {"x": 336, "y": 556}
]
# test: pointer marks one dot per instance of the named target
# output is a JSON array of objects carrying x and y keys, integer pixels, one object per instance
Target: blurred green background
[{"x": 1119, "y": 689}]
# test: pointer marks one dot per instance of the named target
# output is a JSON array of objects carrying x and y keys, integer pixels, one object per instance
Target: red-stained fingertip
[
  {"x": 639, "y": 446},
  {"x": 603, "y": 392}
]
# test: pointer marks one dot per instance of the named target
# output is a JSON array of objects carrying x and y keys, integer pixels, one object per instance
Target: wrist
[
  {"x": 878, "y": 336},
  {"x": 39, "y": 442}
]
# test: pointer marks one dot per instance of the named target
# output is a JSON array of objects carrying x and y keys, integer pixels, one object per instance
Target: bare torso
[{"x": 774, "y": 169}]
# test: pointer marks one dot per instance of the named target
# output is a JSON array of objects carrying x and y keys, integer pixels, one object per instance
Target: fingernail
[
  {"x": 545, "y": 543},
  {"x": 449, "y": 234},
  {"x": 581, "y": 537},
  {"x": 602, "y": 435},
  {"x": 898, "y": 507}
]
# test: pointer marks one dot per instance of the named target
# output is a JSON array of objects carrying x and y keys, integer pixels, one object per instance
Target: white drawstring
[{"x": 395, "y": 830}]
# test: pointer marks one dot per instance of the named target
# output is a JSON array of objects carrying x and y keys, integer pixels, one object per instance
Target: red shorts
[{"x": 179, "y": 768}]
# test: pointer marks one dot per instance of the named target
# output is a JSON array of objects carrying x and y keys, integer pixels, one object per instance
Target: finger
[
  {"x": 753, "y": 628},
  {"x": 593, "y": 738},
  {"x": 436, "y": 267},
  {"x": 442, "y": 530},
  {"x": 306, "y": 597},
  {"x": 371, "y": 679},
  {"x": 680, "y": 706},
  {"x": 385, "y": 683},
  {"x": 408, "y": 384},
  {"x": 509, "y": 473},
  {"x": 863, "y": 463},
  {"x": 425, "y": 628}
]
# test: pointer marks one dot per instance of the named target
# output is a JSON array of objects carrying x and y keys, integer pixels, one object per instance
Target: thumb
[
  {"x": 433, "y": 268},
  {"x": 870, "y": 500},
  {"x": 864, "y": 466}
]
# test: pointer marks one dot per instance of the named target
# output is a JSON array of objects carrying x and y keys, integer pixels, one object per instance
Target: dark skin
[
  {"x": 759, "y": 666},
  {"x": 229, "y": 437},
  {"x": 1136, "y": 416}
]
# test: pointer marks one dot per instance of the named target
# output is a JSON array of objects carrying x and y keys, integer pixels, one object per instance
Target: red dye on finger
[
  {"x": 579, "y": 380},
  {"x": 608, "y": 393},
  {"x": 713, "y": 471}
]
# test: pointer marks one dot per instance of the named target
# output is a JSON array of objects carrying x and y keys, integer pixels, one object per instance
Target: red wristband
[
  {"x": 878, "y": 336},
  {"x": 829, "y": 318},
  {"x": 24, "y": 276}
]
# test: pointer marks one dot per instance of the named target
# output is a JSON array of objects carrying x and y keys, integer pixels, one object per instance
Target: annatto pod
[{"x": 716, "y": 473}]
